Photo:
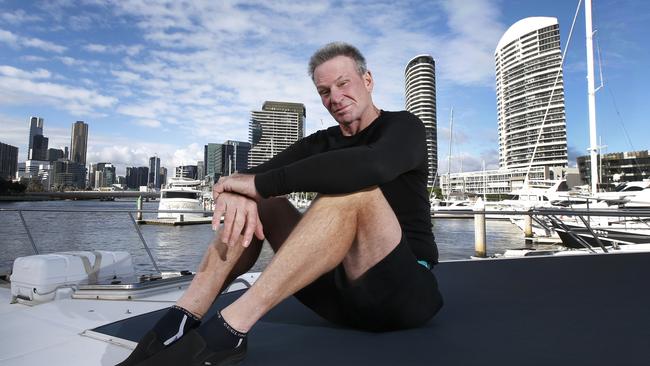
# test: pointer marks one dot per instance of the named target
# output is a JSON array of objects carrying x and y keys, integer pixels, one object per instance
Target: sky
[{"x": 167, "y": 77}]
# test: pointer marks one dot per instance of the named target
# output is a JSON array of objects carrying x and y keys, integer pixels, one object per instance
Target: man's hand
[
  {"x": 240, "y": 217},
  {"x": 244, "y": 184}
]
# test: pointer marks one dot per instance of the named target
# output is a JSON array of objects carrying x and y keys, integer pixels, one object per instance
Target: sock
[
  {"x": 219, "y": 335},
  {"x": 176, "y": 322}
]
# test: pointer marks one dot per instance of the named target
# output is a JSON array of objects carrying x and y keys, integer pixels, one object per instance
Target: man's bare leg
[
  {"x": 221, "y": 264},
  {"x": 357, "y": 229}
]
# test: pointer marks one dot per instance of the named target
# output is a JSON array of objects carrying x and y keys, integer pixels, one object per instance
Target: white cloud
[
  {"x": 18, "y": 41},
  {"x": 148, "y": 123},
  {"x": 18, "y": 73},
  {"x": 20, "y": 86},
  {"x": 18, "y": 17}
]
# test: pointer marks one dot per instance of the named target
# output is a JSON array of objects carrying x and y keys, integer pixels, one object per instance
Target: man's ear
[{"x": 368, "y": 82}]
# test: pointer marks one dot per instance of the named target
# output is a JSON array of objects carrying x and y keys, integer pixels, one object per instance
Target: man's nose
[{"x": 336, "y": 95}]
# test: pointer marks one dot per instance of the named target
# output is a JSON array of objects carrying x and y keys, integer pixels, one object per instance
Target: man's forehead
[{"x": 334, "y": 69}]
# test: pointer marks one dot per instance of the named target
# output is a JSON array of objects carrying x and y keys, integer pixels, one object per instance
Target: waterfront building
[
  {"x": 35, "y": 128},
  {"x": 501, "y": 181},
  {"x": 137, "y": 177},
  {"x": 420, "y": 80},
  {"x": 102, "y": 175},
  {"x": 187, "y": 171},
  {"x": 154, "y": 173},
  {"x": 68, "y": 174},
  {"x": 38, "y": 151},
  {"x": 617, "y": 167},
  {"x": 79, "y": 142},
  {"x": 529, "y": 76},
  {"x": 213, "y": 161},
  {"x": 163, "y": 176},
  {"x": 200, "y": 170},
  {"x": 235, "y": 156},
  {"x": 273, "y": 129},
  {"x": 8, "y": 161},
  {"x": 20, "y": 173},
  {"x": 55, "y": 154}
]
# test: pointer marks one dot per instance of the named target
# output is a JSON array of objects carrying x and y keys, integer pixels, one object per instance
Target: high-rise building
[
  {"x": 54, "y": 154},
  {"x": 163, "y": 176},
  {"x": 200, "y": 169},
  {"x": 8, "y": 161},
  {"x": 154, "y": 172},
  {"x": 68, "y": 174},
  {"x": 273, "y": 129},
  {"x": 530, "y": 95},
  {"x": 213, "y": 161},
  {"x": 420, "y": 78},
  {"x": 137, "y": 177},
  {"x": 235, "y": 156},
  {"x": 102, "y": 175},
  {"x": 79, "y": 142},
  {"x": 39, "y": 148},
  {"x": 35, "y": 128}
]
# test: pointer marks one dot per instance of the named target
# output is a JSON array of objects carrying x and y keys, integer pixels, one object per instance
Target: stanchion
[{"x": 479, "y": 229}]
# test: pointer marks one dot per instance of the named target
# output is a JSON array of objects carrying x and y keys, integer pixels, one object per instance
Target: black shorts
[{"x": 396, "y": 293}]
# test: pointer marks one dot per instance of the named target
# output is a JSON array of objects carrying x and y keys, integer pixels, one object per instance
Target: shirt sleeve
[{"x": 400, "y": 147}]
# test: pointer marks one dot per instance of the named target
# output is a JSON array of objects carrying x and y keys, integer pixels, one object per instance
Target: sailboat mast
[
  {"x": 593, "y": 144},
  {"x": 451, "y": 129}
]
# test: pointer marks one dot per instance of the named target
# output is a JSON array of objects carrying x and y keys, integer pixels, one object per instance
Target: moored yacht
[{"x": 180, "y": 194}]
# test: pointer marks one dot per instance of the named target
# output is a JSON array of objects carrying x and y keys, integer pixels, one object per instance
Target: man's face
[{"x": 344, "y": 92}]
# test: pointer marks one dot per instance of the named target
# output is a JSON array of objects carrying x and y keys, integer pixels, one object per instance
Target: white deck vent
[{"x": 44, "y": 277}]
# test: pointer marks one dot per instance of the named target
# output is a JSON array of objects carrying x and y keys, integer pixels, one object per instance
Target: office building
[
  {"x": 137, "y": 177},
  {"x": 68, "y": 174},
  {"x": 102, "y": 175},
  {"x": 154, "y": 172},
  {"x": 54, "y": 154},
  {"x": 273, "y": 129},
  {"x": 187, "y": 171},
  {"x": 35, "y": 128},
  {"x": 213, "y": 161},
  {"x": 617, "y": 167},
  {"x": 79, "y": 142},
  {"x": 163, "y": 176},
  {"x": 420, "y": 77},
  {"x": 200, "y": 170},
  {"x": 8, "y": 161},
  {"x": 235, "y": 156},
  {"x": 38, "y": 151},
  {"x": 530, "y": 95}
]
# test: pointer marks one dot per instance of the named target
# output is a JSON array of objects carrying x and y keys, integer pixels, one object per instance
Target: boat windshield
[{"x": 172, "y": 194}]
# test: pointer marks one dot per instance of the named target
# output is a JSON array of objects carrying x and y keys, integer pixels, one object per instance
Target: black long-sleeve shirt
[{"x": 390, "y": 153}]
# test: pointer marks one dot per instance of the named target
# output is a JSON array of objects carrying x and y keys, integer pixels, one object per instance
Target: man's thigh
[{"x": 396, "y": 293}]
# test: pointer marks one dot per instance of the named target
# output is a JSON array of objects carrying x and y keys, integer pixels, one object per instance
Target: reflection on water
[{"x": 178, "y": 247}]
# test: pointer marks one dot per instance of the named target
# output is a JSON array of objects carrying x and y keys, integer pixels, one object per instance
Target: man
[{"x": 361, "y": 256}]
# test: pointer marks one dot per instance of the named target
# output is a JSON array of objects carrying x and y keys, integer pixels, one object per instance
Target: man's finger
[
  {"x": 251, "y": 225},
  {"x": 238, "y": 227},
  {"x": 228, "y": 219},
  {"x": 219, "y": 209},
  {"x": 259, "y": 228}
]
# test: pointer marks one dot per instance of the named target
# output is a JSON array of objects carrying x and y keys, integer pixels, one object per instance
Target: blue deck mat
[{"x": 574, "y": 310}]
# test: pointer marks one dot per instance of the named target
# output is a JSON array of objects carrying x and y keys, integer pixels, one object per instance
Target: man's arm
[
  {"x": 240, "y": 217},
  {"x": 401, "y": 148}
]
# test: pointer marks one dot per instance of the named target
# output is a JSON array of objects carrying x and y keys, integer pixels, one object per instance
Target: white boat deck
[{"x": 53, "y": 333}]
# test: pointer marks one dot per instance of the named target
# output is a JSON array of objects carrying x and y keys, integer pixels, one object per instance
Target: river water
[{"x": 178, "y": 247}]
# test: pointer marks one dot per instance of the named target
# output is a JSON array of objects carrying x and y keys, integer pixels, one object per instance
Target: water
[{"x": 179, "y": 247}]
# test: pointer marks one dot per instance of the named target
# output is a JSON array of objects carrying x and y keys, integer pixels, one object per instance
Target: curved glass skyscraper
[
  {"x": 528, "y": 64},
  {"x": 420, "y": 76}
]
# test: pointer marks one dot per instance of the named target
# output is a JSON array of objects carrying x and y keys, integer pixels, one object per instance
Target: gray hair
[{"x": 334, "y": 49}]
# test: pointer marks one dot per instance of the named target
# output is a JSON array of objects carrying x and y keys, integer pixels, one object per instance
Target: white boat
[{"x": 181, "y": 194}]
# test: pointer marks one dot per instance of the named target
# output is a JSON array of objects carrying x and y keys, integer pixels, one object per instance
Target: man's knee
[{"x": 358, "y": 199}]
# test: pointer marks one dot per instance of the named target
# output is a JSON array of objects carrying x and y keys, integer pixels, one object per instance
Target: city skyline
[{"x": 165, "y": 79}]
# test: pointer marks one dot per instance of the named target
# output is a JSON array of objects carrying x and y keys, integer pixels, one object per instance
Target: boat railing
[{"x": 129, "y": 212}]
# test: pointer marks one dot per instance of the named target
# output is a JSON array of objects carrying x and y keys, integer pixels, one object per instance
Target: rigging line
[
  {"x": 627, "y": 135},
  {"x": 550, "y": 99}
]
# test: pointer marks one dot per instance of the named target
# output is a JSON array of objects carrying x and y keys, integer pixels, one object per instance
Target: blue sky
[{"x": 167, "y": 77}]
